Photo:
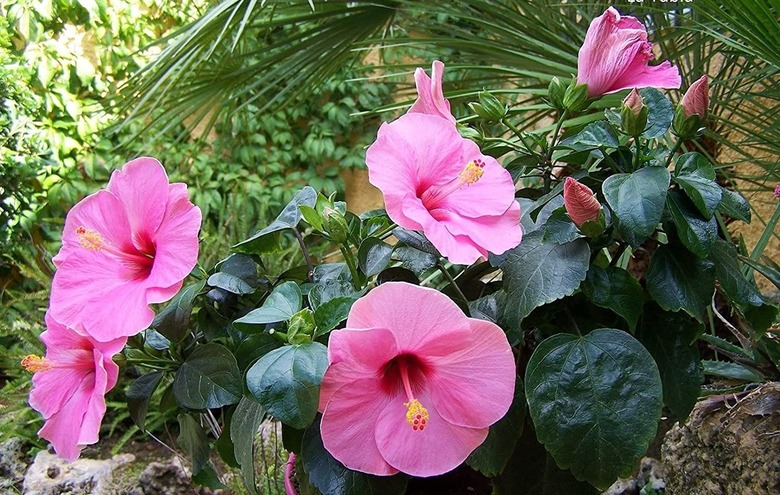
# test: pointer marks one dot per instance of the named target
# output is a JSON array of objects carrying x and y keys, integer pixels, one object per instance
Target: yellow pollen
[
  {"x": 34, "y": 364},
  {"x": 473, "y": 172},
  {"x": 90, "y": 239},
  {"x": 416, "y": 415}
]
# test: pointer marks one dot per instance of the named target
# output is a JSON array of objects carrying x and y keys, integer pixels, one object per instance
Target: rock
[
  {"x": 50, "y": 475},
  {"x": 169, "y": 477},
  {"x": 623, "y": 487},
  {"x": 13, "y": 464},
  {"x": 651, "y": 476},
  {"x": 728, "y": 446}
]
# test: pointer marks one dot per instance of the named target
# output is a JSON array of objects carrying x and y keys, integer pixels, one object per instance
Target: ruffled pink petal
[
  {"x": 349, "y": 422},
  {"x": 96, "y": 408},
  {"x": 467, "y": 392},
  {"x": 440, "y": 448},
  {"x": 367, "y": 349},
  {"x": 459, "y": 249},
  {"x": 418, "y": 315},
  {"x": 141, "y": 187},
  {"x": 63, "y": 428},
  {"x": 430, "y": 95},
  {"x": 496, "y": 234},
  {"x": 52, "y": 389},
  {"x": 641, "y": 75}
]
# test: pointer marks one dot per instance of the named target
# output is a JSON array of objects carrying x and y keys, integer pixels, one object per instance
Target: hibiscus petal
[
  {"x": 640, "y": 75},
  {"x": 459, "y": 249},
  {"x": 63, "y": 428},
  {"x": 440, "y": 448},
  {"x": 367, "y": 349},
  {"x": 96, "y": 408},
  {"x": 430, "y": 95},
  {"x": 349, "y": 422},
  {"x": 466, "y": 392},
  {"x": 482, "y": 230}
]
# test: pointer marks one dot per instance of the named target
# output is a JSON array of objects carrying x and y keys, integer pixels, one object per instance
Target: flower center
[
  {"x": 90, "y": 239},
  {"x": 470, "y": 174},
  {"x": 416, "y": 415},
  {"x": 138, "y": 262},
  {"x": 35, "y": 364}
]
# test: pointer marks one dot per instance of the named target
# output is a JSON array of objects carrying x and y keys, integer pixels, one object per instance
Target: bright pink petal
[
  {"x": 482, "y": 230},
  {"x": 141, "y": 186},
  {"x": 63, "y": 428},
  {"x": 440, "y": 448},
  {"x": 430, "y": 95},
  {"x": 349, "y": 422},
  {"x": 641, "y": 75},
  {"x": 464, "y": 390},
  {"x": 419, "y": 316},
  {"x": 96, "y": 408}
]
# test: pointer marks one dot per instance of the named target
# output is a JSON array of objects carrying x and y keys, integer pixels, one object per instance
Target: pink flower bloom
[
  {"x": 580, "y": 202},
  {"x": 434, "y": 180},
  {"x": 696, "y": 100},
  {"x": 289, "y": 471},
  {"x": 69, "y": 386},
  {"x": 413, "y": 384},
  {"x": 614, "y": 56},
  {"x": 123, "y": 248},
  {"x": 430, "y": 95},
  {"x": 777, "y": 191}
]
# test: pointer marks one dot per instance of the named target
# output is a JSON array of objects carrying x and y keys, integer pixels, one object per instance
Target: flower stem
[
  {"x": 350, "y": 260},
  {"x": 548, "y": 156},
  {"x": 447, "y": 274},
  {"x": 306, "y": 256},
  {"x": 637, "y": 153},
  {"x": 673, "y": 152}
]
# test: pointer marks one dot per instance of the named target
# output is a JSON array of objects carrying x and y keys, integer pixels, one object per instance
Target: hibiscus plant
[{"x": 528, "y": 304}]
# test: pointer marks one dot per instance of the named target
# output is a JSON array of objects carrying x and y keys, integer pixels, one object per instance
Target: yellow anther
[
  {"x": 416, "y": 415},
  {"x": 473, "y": 172},
  {"x": 34, "y": 364},
  {"x": 90, "y": 239}
]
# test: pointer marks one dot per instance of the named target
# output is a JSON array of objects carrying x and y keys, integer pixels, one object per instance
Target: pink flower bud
[
  {"x": 697, "y": 98},
  {"x": 634, "y": 102},
  {"x": 580, "y": 202},
  {"x": 777, "y": 191}
]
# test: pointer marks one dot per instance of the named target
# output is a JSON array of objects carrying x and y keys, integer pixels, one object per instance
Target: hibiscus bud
[
  {"x": 696, "y": 100},
  {"x": 555, "y": 92},
  {"x": 301, "y": 326},
  {"x": 633, "y": 114},
  {"x": 580, "y": 202},
  {"x": 335, "y": 225},
  {"x": 576, "y": 99},
  {"x": 489, "y": 108}
]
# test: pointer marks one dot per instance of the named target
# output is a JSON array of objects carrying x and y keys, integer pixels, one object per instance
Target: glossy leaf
[
  {"x": 660, "y": 113},
  {"x": 328, "y": 315},
  {"x": 734, "y": 205},
  {"x": 237, "y": 274},
  {"x": 415, "y": 260},
  {"x": 283, "y": 302},
  {"x": 729, "y": 274},
  {"x": 696, "y": 176},
  {"x": 192, "y": 438},
  {"x": 696, "y": 233},
  {"x": 287, "y": 219},
  {"x": 243, "y": 430},
  {"x": 173, "y": 321},
  {"x": 374, "y": 255},
  {"x": 138, "y": 395},
  {"x": 677, "y": 280},
  {"x": 208, "y": 379},
  {"x": 638, "y": 201},
  {"x": 559, "y": 229},
  {"x": 615, "y": 289},
  {"x": 595, "y": 401}
]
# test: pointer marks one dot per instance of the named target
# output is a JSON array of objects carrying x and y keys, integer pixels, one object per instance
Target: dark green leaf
[
  {"x": 414, "y": 259},
  {"x": 329, "y": 314},
  {"x": 397, "y": 274},
  {"x": 138, "y": 395},
  {"x": 330, "y": 477},
  {"x": 615, "y": 289},
  {"x": 537, "y": 273},
  {"x": 670, "y": 339},
  {"x": 696, "y": 233},
  {"x": 208, "y": 379},
  {"x": 237, "y": 274},
  {"x": 327, "y": 290},
  {"x": 280, "y": 305},
  {"x": 769, "y": 269},
  {"x": 230, "y": 283},
  {"x": 156, "y": 340},
  {"x": 595, "y": 135},
  {"x": 733, "y": 282},
  {"x": 172, "y": 321},
  {"x": 660, "y": 113},
  {"x": 254, "y": 346},
  {"x": 287, "y": 219},
  {"x": 415, "y": 240},
  {"x": 676, "y": 279},
  {"x": 734, "y": 205},
  {"x": 559, "y": 229},
  {"x": 492, "y": 456},
  {"x": 595, "y": 402},
  {"x": 192, "y": 438},
  {"x": 243, "y": 429},
  {"x": 638, "y": 201},
  {"x": 208, "y": 477},
  {"x": 224, "y": 444},
  {"x": 734, "y": 371},
  {"x": 286, "y": 382},
  {"x": 374, "y": 255},
  {"x": 696, "y": 176}
]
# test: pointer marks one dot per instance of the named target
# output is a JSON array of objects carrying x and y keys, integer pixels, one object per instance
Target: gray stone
[
  {"x": 169, "y": 477},
  {"x": 13, "y": 464},
  {"x": 623, "y": 487},
  {"x": 50, "y": 475}
]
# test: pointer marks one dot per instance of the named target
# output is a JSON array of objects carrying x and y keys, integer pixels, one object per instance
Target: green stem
[
  {"x": 387, "y": 232},
  {"x": 769, "y": 231},
  {"x": 637, "y": 153},
  {"x": 350, "y": 260},
  {"x": 306, "y": 256},
  {"x": 673, "y": 152},
  {"x": 548, "y": 155},
  {"x": 447, "y": 274}
]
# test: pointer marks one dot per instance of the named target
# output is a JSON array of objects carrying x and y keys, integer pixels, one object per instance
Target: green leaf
[
  {"x": 415, "y": 260},
  {"x": 237, "y": 274},
  {"x": 286, "y": 382},
  {"x": 559, "y": 229},
  {"x": 676, "y": 279},
  {"x": 734, "y": 205},
  {"x": 312, "y": 217},
  {"x": 138, "y": 395},
  {"x": 330, "y": 477},
  {"x": 283, "y": 302},
  {"x": 595, "y": 135},
  {"x": 374, "y": 255},
  {"x": 734, "y": 371},
  {"x": 615, "y": 289},
  {"x": 329, "y": 314},
  {"x": 208, "y": 379},
  {"x": 192, "y": 438},
  {"x": 492, "y": 456},
  {"x": 254, "y": 346},
  {"x": 287, "y": 219},
  {"x": 696, "y": 233},
  {"x": 660, "y": 113},
  {"x": 728, "y": 272},
  {"x": 416, "y": 240},
  {"x": 638, "y": 201},
  {"x": 243, "y": 430},
  {"x": 595, "y": 402},
  {"x": 172, "y": 322},
  {"x": 696, "y": 176},
  {"x": 670, "y": 339},
  {"x": 537, "y": 273}
]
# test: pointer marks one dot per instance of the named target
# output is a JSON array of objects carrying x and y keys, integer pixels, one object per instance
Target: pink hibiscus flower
[
  {"x": 615, "y": 54},
  {"x": 413, "y": 384},
  {"x": 123, "y": 248},
  {"x": 69, "y": 386},
  {"x": 430, "y": 95},
  {"x": 434, "y": 180}
]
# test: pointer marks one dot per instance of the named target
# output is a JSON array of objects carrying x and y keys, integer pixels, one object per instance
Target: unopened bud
[
  {"x": 576, "y": 99},
  {"x": 633, "y": 114},
  {"x": 580, "y": 202},
  {"x": 696, "y": 100},
  {"x": 489, "y": 108},
  {"x": 555, "y": 92},
  {"x": 301, "y": 325},
  {"x": 335, "y": 225}
]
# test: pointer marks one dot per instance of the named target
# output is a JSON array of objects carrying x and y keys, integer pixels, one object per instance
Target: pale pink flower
[
  {"x": 123, "y": 248},
  {"x": 69, "y": 386},
  {"x": 412, "y": 384},
  {"x": 696, "y": 100},
  {"x": 634, "y": 102},
  {"x": 434, "y": 180},
  {"x": 580, "y": 202},
  {"x": 430, "y": 95},
  {"x": 615, "y": 54}
]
